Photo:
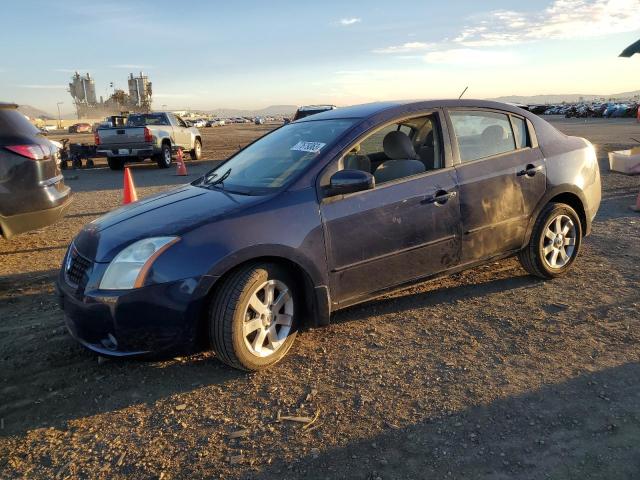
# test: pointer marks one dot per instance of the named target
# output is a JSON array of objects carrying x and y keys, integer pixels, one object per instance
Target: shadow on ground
[{"x": 584, "y": 428}]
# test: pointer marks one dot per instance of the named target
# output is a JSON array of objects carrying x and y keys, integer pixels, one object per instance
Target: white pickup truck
[{"x": 156, "y": 135}]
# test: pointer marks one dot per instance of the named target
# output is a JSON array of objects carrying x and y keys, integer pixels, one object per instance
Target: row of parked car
[
  {"x": 587, "y": 110},
  {"x": 218, "y": 122}
]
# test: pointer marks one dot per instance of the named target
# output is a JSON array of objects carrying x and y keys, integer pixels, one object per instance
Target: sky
[{"x": 209, "y": 54}]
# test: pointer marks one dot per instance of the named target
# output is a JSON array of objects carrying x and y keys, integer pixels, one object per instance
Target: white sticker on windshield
[{"x": 313, "y": 147}]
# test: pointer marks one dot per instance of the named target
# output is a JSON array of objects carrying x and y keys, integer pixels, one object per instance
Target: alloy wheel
[
  {"x": 559, "y": 241},
  {"x": 268, "y": 318}
]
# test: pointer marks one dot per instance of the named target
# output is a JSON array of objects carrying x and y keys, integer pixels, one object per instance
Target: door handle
[
  {"x": 530, "y": 171},
  {"x": 439, "y": 198}
]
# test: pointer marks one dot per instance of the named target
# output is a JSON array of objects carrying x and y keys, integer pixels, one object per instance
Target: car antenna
[{"x": 463, "y": 92}]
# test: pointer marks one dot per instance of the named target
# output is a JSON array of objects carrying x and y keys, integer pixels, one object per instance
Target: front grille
[{"x": 75, "y": 266}]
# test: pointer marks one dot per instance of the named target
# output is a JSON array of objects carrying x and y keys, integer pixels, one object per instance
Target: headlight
[{"x": 130, "y": 267}]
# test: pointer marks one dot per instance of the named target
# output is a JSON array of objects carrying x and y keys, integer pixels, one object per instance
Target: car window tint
[
  {"x": 482, "y": 134},
  {"x": 520, "y": 131}
]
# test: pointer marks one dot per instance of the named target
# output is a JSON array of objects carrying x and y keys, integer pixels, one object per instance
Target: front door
[
  {"x": 182, "y": 135},
  {"x": 501, "y": 176},
  {"x": 392, "y": 234}
]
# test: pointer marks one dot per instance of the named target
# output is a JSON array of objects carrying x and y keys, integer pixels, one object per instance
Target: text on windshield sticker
[{"x": 313, "y": 147}]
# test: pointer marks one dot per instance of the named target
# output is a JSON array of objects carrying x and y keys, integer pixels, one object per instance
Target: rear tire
[
  {"x": 252, "y": 318},
  {"x": 116, "y": 163},
  {"x": 163, "y": 159},
  {"x": 196, "y": 153},
  {"x": 555, "y": 242}
]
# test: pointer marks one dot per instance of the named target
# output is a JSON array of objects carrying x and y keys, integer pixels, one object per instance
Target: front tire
[
  {"x": 555, "y": 242},
  {"x": 163, "y": 159},
  {"x": 196, "y": 153},
  {"x": 252, "y": 319}
]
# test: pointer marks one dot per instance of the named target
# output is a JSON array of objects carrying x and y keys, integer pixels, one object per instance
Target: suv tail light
[
  {"x": 147, "y": 135},
  {"x": 96, "y": 138},
  {"x": 33, "y": 152}
]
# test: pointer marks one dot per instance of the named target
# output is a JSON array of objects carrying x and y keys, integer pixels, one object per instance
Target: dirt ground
[{"x": 485, "y": 374}]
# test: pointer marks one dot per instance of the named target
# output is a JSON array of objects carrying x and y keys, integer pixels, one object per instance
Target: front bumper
[
  {"x": 149, "y": 320},
  {"x": 24, "y": 222}
]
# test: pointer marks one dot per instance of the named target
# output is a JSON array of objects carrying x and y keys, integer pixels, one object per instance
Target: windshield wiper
[{"x": 218, "y": 181}]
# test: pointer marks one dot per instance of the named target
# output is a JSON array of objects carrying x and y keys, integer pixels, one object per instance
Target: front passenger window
[
  {"x": 397, "y": 150},
  {"x": 482, "y": 134}
]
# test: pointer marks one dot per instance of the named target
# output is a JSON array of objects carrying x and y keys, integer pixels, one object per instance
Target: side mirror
[{"x": 350, "y": 181}]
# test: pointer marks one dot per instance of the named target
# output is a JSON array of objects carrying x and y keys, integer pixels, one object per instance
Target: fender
[
  {"x": 551, "y": 193},
  {"x": 318, "y": 296}
]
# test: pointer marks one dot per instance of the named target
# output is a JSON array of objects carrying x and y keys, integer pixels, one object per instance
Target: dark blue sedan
[{"x": 323, "y": 213}]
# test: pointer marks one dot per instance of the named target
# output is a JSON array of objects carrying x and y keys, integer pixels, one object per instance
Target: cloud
[
  {"x": 345, "y": 22},
  {"x": 43, "y": 87},
  {"x": 405, "y": 48},
  {"x": 469, "y": 57},
  {"x": 130, "y": 66},
  {"x": 563, "y": 19}
]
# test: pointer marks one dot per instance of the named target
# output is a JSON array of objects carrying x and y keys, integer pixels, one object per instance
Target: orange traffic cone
[
  {"x": 129, "y": 192},
  {"x": 181, "y": 170}
]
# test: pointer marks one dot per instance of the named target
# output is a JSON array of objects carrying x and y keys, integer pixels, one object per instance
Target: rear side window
[
  {"x": 482, "y": 134},
  {"x": 520, "y": 131},
  {"x": 147, "y": 119},
  {"x": 12, "y": 122}
]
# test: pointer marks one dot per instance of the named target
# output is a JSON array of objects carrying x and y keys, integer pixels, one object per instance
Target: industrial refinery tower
[{"x": 83, "y": 90}]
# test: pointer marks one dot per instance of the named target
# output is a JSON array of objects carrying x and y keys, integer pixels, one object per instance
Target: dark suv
[
  {"x": 309, "y": 110},
  {"x": 32, "y": 190}
]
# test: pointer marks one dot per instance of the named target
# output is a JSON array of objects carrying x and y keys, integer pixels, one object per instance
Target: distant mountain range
[
  {"x": 289, "y": 110},
  {"x": 33, "y": 112},
  {"x": 569, "y": 98}
]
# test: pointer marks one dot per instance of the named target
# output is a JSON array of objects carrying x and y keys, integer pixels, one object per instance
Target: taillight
[
  {"x": 147, "y": 135},
  {"x": 34, "y": 152},
  {"x": 96, "y": 138}
]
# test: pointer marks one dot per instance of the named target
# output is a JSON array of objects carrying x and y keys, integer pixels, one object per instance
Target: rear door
[{"x": 502, "y": 177}]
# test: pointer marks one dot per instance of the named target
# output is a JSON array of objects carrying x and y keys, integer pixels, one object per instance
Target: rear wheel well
[
  {"x": 574, "y": 202},
  {"x": 302, "y": 279}
]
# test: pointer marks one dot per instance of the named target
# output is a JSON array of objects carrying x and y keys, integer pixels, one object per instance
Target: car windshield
[
  {"x": 147, "y": 119},
  {"x": 276, "y": 158}
]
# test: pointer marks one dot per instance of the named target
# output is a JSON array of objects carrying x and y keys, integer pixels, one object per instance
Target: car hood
[{"x": 174, "y": 212}]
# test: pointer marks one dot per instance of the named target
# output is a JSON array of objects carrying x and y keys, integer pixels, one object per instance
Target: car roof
[
  {"x": 8, "y": 105},
  {"x": 407, "y": 106}
]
